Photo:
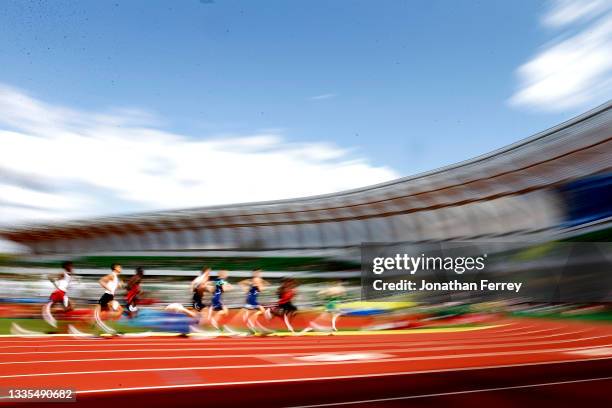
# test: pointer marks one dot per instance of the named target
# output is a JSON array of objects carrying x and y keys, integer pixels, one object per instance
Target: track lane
[
  {"x": 168, "y": 363},
  {"x": 455, "y": 396},
  {"x": 109, "y": 343},
  {"x": 310, "y": 390},
  {"x": 134, "y": 359},
  {"x": 203, "y": 346},
  {"x": 503, "y": 329},
  {"x": 284, "y": 367}
]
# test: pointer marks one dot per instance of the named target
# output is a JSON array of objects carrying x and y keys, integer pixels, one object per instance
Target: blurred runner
[
  {"x": 198, "y": 287},
  {"x": 285, "y": 307},
  {"x": 107, "y": 306},
  {"x": 252, "y": 309},
  {"x": 59, "y": 296},
  {"x": 332, "y": 295},
  {"x": 217, "y": 308},
  {"x": 134, "y": 291}
]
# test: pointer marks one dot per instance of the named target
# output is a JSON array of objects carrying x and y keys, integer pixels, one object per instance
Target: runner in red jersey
[
  {"x": 285, "y": 307},
  {"x": 133, "y": 291}
]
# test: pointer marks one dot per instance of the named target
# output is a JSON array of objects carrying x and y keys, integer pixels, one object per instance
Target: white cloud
[
  {"x": 58, "y": 162},
  {"x": 563, "y": 12},
  {"x": 323, "y": 96},
  {"x": 575, "y": 70}
]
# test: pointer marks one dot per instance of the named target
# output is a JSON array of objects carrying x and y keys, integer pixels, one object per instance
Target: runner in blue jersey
[
  {"x": 252, "y": 309},
  {"x": 220, "y": 285}
]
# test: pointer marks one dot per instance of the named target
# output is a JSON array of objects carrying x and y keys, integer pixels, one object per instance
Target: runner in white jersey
[
  {"x": 60, "y": 294},
  {"x": 110, "y": 283},
  {"x": 198, "y": 287}
]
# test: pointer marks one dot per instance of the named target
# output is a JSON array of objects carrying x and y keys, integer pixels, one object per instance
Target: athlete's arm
[
  {"x": 209, "y": 287},
  {"x": 244, "y": 284},
  {"x": 104, "y": 281},
  {"x": 134, "y": 280},
  {"x": 194, "y": 284},
  {"x": 286, "y": 296},
  {"x": 53, "y": 279}
]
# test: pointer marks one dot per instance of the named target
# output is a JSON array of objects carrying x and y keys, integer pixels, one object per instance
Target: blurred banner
[{"x": 573, "y": 272}]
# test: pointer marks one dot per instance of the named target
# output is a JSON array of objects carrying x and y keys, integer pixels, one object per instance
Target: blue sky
[{"x": 371, "y": 89}]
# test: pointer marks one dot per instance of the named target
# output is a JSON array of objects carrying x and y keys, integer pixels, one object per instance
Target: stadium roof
[{"x": 579, "y": 147}]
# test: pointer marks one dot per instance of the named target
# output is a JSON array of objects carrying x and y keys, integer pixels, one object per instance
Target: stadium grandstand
[{"x": 554, "y": 183}]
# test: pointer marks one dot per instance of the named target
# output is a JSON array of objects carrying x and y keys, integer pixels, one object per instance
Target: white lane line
[
  {"x": 53, "y": 340},
  {"x": 275, "y": 347},
  {"x": 361, "y": 348},
  {"x": 488, "y": 329},
  {"x": 301, "y": 364},
  {"x": 515, "y": 328},
  {"x": 180, "y": 345},
  {"x": 595, "y": 351},
  {"x": 444, "y": 394},
  {"x": 337, "y": 377},
  {"x": 280, "y": 333}
]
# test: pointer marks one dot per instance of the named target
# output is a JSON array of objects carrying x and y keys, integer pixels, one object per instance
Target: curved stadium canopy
[{"x": 511, "y": 191}]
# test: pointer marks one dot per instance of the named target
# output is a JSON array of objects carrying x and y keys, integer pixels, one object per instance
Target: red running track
[{"x": 521, "y": 361}]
